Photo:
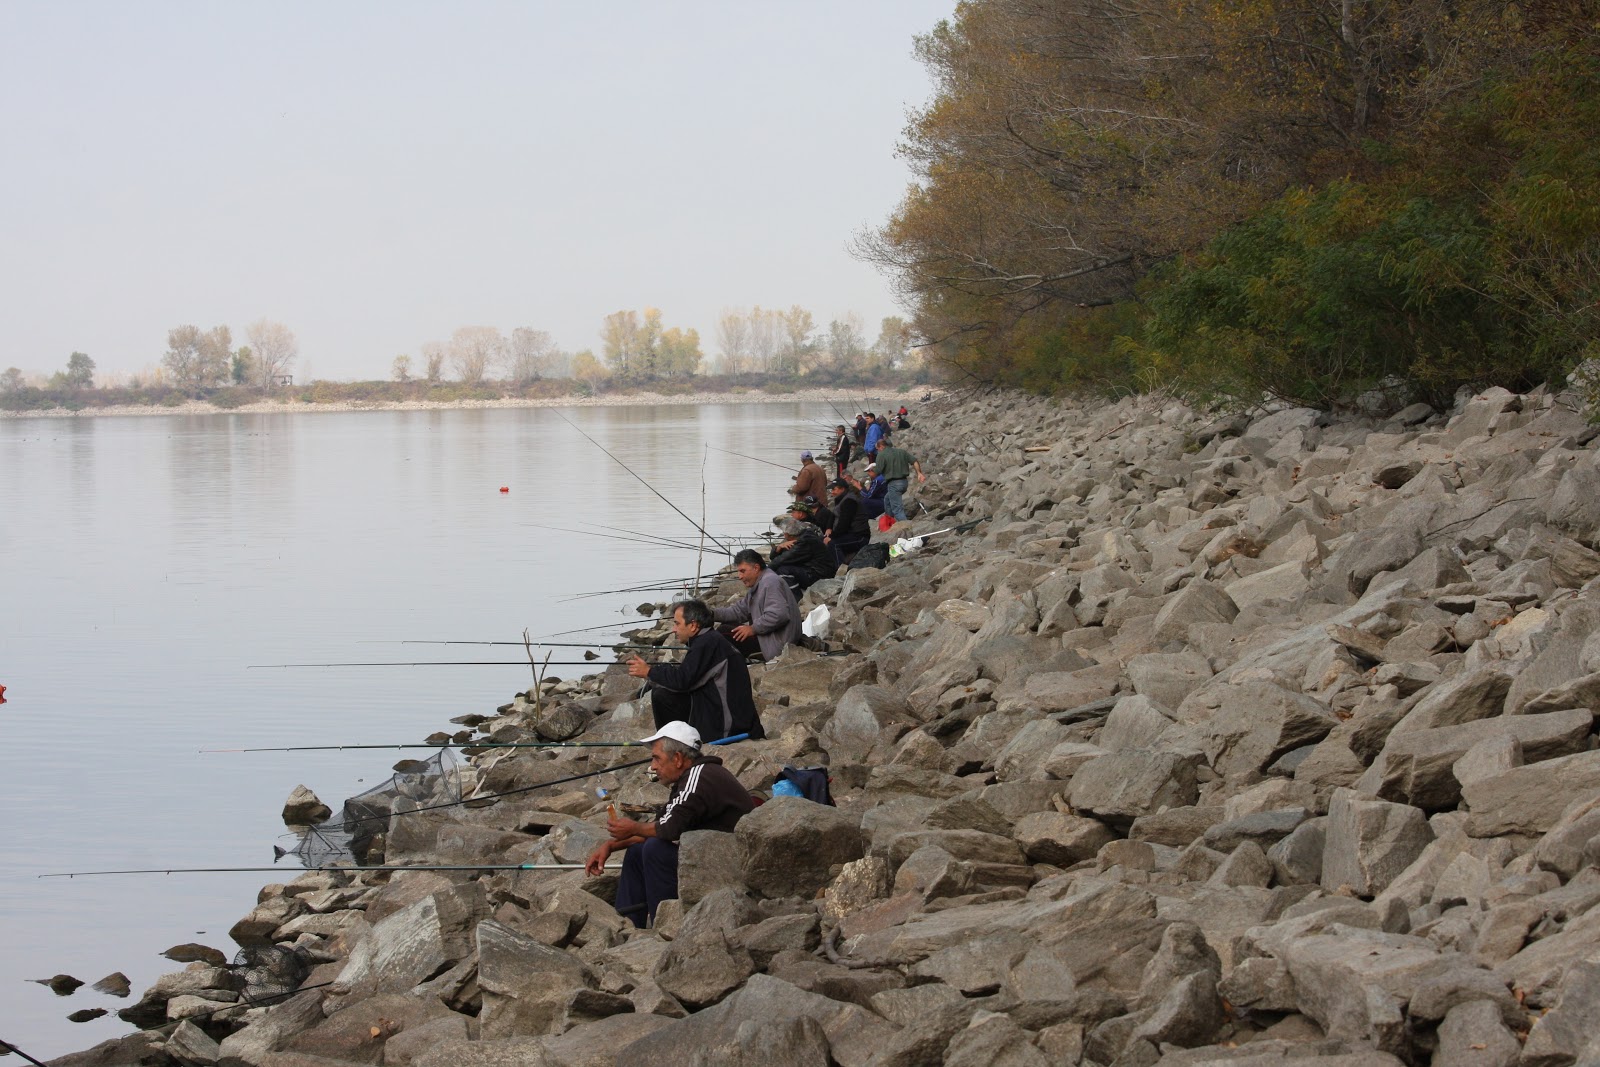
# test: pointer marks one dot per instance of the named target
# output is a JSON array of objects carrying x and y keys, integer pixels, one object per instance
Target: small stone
[
  {"x": 62, "y": 985},
  {"x": 304, "y": 809},
  {"x": 84, "y": 1015},
  {"x": 196, "y": 953},
  {"x": 115, "y": 984}
]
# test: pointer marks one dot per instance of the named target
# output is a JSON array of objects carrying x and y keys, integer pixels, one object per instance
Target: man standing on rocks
[
  {"x": 710, "y": 689},
  {"x": 705, "y": 796},
  {"x": 895, "y": 466},
  {"x": 812, "y": 481},
  {"x": 768, "y": 618}
]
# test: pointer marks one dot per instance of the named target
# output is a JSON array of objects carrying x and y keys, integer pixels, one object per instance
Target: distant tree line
[
  {"x": 1250, "y": 199},
  {"x": 756, "y": 347}
]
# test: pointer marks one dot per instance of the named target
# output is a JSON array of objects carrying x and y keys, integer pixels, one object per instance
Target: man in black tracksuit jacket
[
  {"x": 705, "y": 796},
  {"x": 710, "y": 689}
]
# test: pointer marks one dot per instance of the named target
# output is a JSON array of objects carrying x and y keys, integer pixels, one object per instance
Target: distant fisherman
[
  {"x": 895, "y": 465},
  {"x": 812, "y": 481},
  {"x": 710, "y": 689},
  {"x": 841, "y": 450}
]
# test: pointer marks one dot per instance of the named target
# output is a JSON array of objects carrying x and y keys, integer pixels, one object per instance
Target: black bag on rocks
[
  {"x": 874, "y": 556},
  {"x": 812, "y": 782}
]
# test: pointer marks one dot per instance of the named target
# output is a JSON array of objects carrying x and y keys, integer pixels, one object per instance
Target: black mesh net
[
  {"x": 348, "y": 836},
  {"x": 269, "y": 972}
]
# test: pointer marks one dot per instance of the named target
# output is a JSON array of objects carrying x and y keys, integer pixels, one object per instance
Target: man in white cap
[
  {"x": 705, "y": 796},
  {"x": 812, "y": 480}
]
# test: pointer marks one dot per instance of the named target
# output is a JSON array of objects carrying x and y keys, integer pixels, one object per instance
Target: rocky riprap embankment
[{"x": 1238, "y": 742}]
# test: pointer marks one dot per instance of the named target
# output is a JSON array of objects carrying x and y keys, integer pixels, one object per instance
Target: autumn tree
[
  {"x": 275, "y": 349},
  {"x": 640, "y": 348},
  {"x": 846, "y": 345},
  {"x": 198, "y": 359},
  {"x": 400, "y": 370},
  {"x": 433, "y": 355},
  {"x": 531, "y": 353},
  {"x": 587, "y": 369},
  {"x": 11, "y": 380},
  {"x": 243, "y": 369},
  {"x": 79, "y": 373},
  {"x": 894, "y": 340},
  {"x": 733, "y": 341},
  {"x": 474, "y": 350}
]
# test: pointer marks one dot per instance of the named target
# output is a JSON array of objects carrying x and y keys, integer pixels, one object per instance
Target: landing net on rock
[
  {"x": 349, "y": 835},
  {"x": 270, "y": 971}
]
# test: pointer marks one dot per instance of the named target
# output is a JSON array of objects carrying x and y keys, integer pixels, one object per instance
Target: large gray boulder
[
  {"x": 854, "y": 1034},
  {"x": 1530, "y": 800},
  {"x": 1052, "y": 837},
  {"x": 793, "y": 847},
  {"x": 1258, "y": 722},
  {"x": 1418, "y": 768},
  {"x": 414, "y": 944},
  {"x": 1120, "y": 787},
  {"x": 1369, "y": 842},
  {"x": 1198, "y": 602},
  {"x": 708, "y": 860},
  {"x": 526, "y": 985},
  {"x": 859, "y": 719}
]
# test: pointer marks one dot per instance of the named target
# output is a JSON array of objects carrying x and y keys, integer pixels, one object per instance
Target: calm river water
[{"x": 146, "y": 562}]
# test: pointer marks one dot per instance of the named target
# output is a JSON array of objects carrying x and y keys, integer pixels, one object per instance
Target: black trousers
[{"x": 649, "y": 876}]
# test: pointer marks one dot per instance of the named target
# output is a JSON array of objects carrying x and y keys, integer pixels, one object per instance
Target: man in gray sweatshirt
[{"x": 767, "y": 618}]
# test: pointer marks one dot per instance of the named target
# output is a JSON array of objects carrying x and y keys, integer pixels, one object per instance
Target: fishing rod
[
  {"x": 9, "y": 1047},
  {"x": 653, "y": 542},
  {"x": 603, "y": 626},
  {"x": 438, "y": 745},
  {"x": 756, "y": 459},
  {"x": 334, "y": 867},
  {"x": 438, "y": 663},
  {"x": 536, "y": 644},
  {"x": 641, "y": 481},
  {"x": 478, "y": 800}
]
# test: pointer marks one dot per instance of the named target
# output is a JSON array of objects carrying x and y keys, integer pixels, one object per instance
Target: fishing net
[
  {"x": 270, "y": 971},
  {"x": 348, "y": 836}
]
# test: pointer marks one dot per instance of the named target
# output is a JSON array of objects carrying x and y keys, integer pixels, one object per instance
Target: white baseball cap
[{"x": 680, "y": 732}]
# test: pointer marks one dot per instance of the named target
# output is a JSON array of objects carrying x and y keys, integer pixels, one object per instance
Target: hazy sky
[{"x": 377, "y": 174}]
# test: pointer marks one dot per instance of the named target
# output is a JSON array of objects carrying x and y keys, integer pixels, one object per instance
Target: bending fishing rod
[
  {"x": 334, "y": 868},
  {"x": 442, "y": 663},
  {"x": 642, "y": 481},
  {"x": 653, "y": 542},
  {"x": 477, "y": 800},
  {"x": 536, "y": 644},
  {"x": 436, "y": 745}
]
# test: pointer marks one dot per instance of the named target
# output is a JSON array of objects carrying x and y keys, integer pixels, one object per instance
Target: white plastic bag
[{"x": 816, "y": 622}]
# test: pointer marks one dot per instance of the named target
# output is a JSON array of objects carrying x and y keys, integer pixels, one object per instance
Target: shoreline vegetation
[{"x": 342, "y": 396}]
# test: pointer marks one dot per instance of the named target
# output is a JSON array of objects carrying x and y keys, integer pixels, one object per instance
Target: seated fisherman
[
  {"x": 705, "y": 796},
  {"x": 710, "y": 689},
  {"x": 768, "y": 617},
  {"x": 803, "y": 557},
  {"x": 850, "y": 529}
]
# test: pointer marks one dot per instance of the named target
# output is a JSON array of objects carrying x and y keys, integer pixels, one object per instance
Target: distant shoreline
[{"x": 645, "y": 399}]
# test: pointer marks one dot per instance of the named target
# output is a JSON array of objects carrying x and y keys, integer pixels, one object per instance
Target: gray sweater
[{"x": 771, "y": 611}]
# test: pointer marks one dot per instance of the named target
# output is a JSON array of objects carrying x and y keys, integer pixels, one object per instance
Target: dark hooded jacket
[
  {"x": 808, "y": 554},
  {"x": 714, "y": 675}
]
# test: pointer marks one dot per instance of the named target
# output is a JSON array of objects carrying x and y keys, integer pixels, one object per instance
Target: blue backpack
[{"x": 808, "y": 782}]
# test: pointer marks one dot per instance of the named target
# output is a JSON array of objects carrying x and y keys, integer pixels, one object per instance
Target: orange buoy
[{"x": 505, "y": 489}]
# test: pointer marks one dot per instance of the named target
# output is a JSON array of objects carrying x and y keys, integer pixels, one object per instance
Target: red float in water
[{"x": 505, "y": 489}]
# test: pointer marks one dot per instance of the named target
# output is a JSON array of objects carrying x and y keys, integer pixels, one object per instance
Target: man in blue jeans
[
  {"x": 705, "y": 796},
  {"x": 894, "y": 467}
]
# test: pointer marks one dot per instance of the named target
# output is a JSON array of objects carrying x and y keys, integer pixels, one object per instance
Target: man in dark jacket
[
  {"x": 710, "y": 689},
  {"x": 803, "y": 557},
  {"x": 850, "y": 529},
  {"x": 841, "y": 451},
  {"x": 705, "y": 796}
]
